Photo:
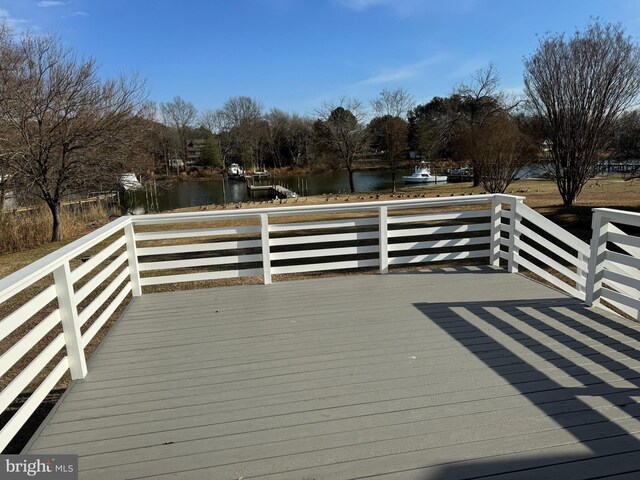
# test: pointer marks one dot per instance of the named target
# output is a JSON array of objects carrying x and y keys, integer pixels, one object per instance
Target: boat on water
[
  {"x": 129, "y": 182},
  {"x": 260, "y": 173},
  {"x": 462, "y": 174},
  {"x": 235, "y": 171},
  {"x": 422, "y": 174}
]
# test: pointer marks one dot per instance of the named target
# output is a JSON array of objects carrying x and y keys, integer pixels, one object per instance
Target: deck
[{"x": 465, "y": 373}]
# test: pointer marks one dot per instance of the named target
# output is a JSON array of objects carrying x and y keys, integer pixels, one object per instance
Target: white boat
[
  {"x": 422, "y": 174},
  {"x": 129, "y": 181},
  {"x": 235, "y": 171}
]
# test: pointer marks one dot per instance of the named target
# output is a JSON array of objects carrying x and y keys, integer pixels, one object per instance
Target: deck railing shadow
[{"x": 562, "y": 390}]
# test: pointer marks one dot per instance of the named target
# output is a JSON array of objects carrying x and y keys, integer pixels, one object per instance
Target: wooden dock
[
  {"x": 451, "y": 374},
  {"x": 277, "y": 191}
]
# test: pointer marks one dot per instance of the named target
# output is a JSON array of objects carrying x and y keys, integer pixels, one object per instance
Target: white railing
[
  {"x": 58, "y": 304},
  {"x": 538, "y": 245},
  {"x": 614, "y": 275}
]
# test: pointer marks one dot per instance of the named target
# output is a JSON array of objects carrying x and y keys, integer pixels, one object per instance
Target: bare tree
[
  {"x": 580, "y": 87},
  {"x": 277, "y": 124},
  {"x": 63, "y": 129},
  {"x": 395, "y": 103},
  {"x": 501, "y": 149},
  {"x": 299, "y": 136},
  {"x": 480, "y": 102},
  {"x": 180, "y": 115},
  {"x": 390, "y": 126},
  {"x": 216, "y": 122},
  {"x": 343, "y": 131},
  {"x": 243, "y": 116}
]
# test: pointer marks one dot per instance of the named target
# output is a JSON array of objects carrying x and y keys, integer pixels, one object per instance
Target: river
[{"x": 207, "y": 192}]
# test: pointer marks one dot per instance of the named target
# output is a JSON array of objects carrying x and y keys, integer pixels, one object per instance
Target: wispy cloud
[
  {"x": 403, "y": 72},
  {"x": 51, "y": 3},
  {"x": 404, "y": 8},
  {"x": 80, "y": 14},
  {"x": 13, "y": 22},
  {"x": 401, "y": 7},
  {"x": 468, "y": 67}
]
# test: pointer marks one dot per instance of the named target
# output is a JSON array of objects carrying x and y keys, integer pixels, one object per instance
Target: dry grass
[{"x": 29, "y": 229}]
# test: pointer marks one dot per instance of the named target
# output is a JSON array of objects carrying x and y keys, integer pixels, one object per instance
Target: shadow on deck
[{"x": 402, "y": 376}]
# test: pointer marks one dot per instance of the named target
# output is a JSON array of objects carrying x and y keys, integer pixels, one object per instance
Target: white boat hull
[{"x": 431, "y": 179}]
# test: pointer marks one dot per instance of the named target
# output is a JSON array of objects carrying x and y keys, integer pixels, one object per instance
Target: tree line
[{"x": 63, "y": 129}]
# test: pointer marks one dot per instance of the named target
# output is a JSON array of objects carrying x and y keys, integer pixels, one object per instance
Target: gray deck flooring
[{"x": 431, "y": 375}]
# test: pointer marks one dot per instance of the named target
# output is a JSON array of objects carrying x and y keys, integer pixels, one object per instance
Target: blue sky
[{"x": 293, "y": 54}]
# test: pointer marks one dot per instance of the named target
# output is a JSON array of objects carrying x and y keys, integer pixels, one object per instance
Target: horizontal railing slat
[
  {"x": 323, "y": 224},
  {"x": 319, "y": 267},
  {"x": 324, "y": 252},
  {"x": 31, "y": 371},
  {"x": 431, "y": 217},
  {"x": 443, "y": 230},
  {"x": 199, "y": 247},
  {"x": 201, "y": 276},
  {"x": 630, "y": 285},
  {"x": 105, "y": 273},
  {"x": 437, "y": 257},
  {"x": 632, "y": 303},
  {"x": 26, "y": 311},
  {"x": 553, "y": 229},
  {"x": 572, "y": 259},
  {"x": 448, "y": 243},
  {"x": 549, "y": 278},
  {"x": 198, "y": 262},
  {"x": 622, "y": 259},
  {"x": 104, "y": 316},
  {"x": 199, "y": 232},
  {"x": 26, "y": 343},
  {"x": 538, "y": 255},
  {"x": 97, "y": 259},
  {"x": 334, "y": 237},
  {"x": 97, "y": 302},
  {"x": 26, "y": 410},
  {"x": 623, "y": 240}
]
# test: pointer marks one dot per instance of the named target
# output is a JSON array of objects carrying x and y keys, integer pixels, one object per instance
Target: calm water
[{"x": 207, "y": 192}]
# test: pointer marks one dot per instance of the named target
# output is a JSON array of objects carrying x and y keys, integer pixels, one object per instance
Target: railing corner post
[
  {"x": 266, "y": 255},
  {"x": 496, "y": 224},
  {"x": 70, "y": 323},
  {"x": 132, "y": 257},
  {"x": 384, "y": 240},
  {"x": 595, "y": 269},
  {"x": 514, "y": 235}
]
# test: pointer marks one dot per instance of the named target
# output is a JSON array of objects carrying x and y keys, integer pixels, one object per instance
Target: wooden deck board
[{"x": 432, "y": 375}]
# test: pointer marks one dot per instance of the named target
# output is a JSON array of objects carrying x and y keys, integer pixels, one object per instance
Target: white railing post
[
  {"x": 496, "y": 224},
  {"x": 384, "y": 240},
  {"x": 132, "y": 257},
  {"x": 266, "y": 255},
  {"x": 514, "y": 235},
  {"x": 70, "y": 324},
  {"x": 599, "y": 229}
]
